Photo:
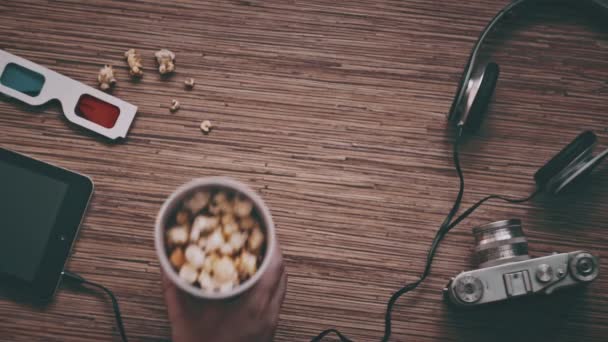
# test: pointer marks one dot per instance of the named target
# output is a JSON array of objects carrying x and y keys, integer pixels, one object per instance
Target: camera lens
[{"x": 500, "y": 242}]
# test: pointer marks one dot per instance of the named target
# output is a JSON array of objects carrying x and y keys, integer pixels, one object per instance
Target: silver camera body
[{"x": 507, "y": 271}]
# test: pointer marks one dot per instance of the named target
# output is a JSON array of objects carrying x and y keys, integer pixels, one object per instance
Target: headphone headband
[{"x": 601, "y": 5}]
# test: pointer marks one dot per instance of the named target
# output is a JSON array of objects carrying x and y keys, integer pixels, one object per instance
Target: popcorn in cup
[{"x": 214, "y": 238}]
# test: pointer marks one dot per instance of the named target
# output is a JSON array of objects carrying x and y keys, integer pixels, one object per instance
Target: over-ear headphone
[{"x": 475, "y": 93}]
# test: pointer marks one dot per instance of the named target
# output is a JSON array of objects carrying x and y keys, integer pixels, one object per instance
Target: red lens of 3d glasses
[{"x": 97, "y": 111}]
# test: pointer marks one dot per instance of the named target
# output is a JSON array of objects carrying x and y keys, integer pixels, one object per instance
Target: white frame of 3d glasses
[{"x": 68, "y": 91}]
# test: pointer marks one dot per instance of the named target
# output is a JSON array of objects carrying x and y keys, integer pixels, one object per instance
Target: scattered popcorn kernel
[
  {"x": 106, "y": 77},
  {"x": 224, "y": 271},
  {"x": 237, "y": 240},
  {"x": 255, "y": 240},
  {"x": 206, "y": 126},
  {"x": 189, "y": 83},
  {"x": 195, "y": 256},
  {"x": 230, "y": 228},
  {"x": 174, "y": 106},
  {"x": 177, "y": 258},
  {"x": 206, "y": 282},
  {"x": 165, "y": 60},
  {"x": 214, "y": 241},
  {"x": 242, "y": 207},
  {"x": 188, "y": 273},
  {"x": 247, "y": 264},
  {"x": 177, "y": 236},
  {"x": 197, "y": 202},
  {"x": 134, "y": 60},
  {"x": 182, "y": 218},
  {"x": 247, "y": 223}
]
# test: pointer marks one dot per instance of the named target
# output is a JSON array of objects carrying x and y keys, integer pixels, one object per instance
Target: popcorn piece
[
  {"x": 195, "y": 256},
  {"x": 226, "y": 249},
  {"x": 221, "y": 203},
  {"x": 227, "y": 219},
  {"x": 188, "y": 273},
  {"x": 230, "y": 228},
  {"x": 215, "y": 208},
  {"x": 206, "y": 126},
  {"x": 189, "y": 83},
  {"x": 256, "y": 239},
  {"x": 237, "y": 240},
  {"x": 182, "y": 218},
  {"x": 205, "y": 223},
  {"x": 210, "y": 262},
  {"x": 242, "y": 207},
  {"x": 202, "y": 243},
  {"x": 248, "y": 223},
  {"x": 224, "y": 271},
  {"x": 177, "y": 258},
  {"x": 106, "y": 77},
  {"x": 214, "y": 241},
  {"x": 197, "y": 202},
  {"x": 195, "y": 234},
  {"x": 165, "y": 60},
  {"x": 227, "y": 207},
  {"x": 226, "y": 287},
  {"x": 177, "y": 236},
  {"x": 220, "y": 197},
  {"x": 247, "y": 264},
  {"x": 206, "y": 282},
  {"x": 134, "y": 60},
  {"x": 174, "y": 106}
]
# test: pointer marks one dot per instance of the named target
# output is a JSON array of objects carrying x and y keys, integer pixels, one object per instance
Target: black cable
[
  {"x": 445, "y": 227},
  {"x": 329, "y": 331},
  {"x": 411, "y": 286},
  {"x": 487, "y": 198},
  {"x": 80, "y": 280}
]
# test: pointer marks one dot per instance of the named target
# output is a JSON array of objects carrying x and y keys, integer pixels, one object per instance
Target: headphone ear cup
[
  {"x": 577, "y": 175},
  {"x": 482, "y": 97},
  {"x": 546, "y": 175}
]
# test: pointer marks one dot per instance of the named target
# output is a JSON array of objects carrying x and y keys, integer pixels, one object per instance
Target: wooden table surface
[{"x": 334, "y": 111}]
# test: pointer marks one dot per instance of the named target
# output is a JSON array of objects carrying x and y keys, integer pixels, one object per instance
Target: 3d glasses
[{"x": 83, "y": 105}]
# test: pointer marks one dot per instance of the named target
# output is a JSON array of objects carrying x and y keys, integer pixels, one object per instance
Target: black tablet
[{"x": 41, "y": 208}]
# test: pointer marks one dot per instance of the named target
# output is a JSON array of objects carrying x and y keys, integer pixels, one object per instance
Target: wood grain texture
[{"x": 334, "y": 111}]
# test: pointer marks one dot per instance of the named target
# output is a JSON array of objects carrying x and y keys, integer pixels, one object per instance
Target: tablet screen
[{"x": 29, "y": 206}]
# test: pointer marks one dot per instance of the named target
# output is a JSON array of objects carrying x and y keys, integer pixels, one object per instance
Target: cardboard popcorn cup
[{"x": 175, "y": 202}]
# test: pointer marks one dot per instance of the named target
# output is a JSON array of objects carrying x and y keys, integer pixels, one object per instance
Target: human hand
[{"x": 253, "y": 316}]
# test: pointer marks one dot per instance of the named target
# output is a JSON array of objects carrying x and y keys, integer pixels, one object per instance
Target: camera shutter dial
[{"x": 544, "y": 273}]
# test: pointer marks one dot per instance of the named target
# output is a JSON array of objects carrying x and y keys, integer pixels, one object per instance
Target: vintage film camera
[{"x": 507, "y": 271}]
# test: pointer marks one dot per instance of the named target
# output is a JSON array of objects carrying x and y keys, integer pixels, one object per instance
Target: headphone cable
[
  {"x": 445, "y": 227},
  {"x": 77, "y": 279}
]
